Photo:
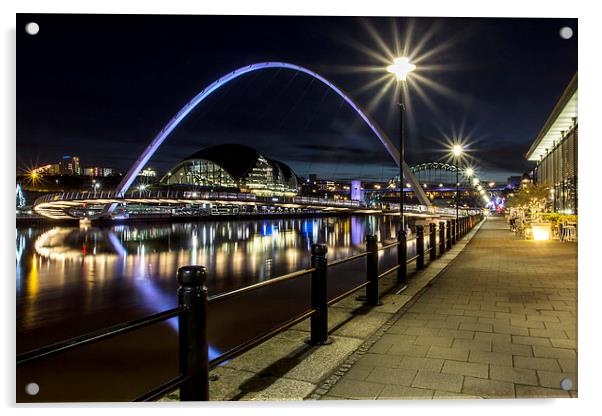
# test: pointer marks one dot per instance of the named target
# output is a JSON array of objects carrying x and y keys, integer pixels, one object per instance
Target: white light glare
[{"x": 401, "y": 68}]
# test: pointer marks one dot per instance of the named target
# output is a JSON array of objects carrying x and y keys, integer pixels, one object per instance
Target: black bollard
[
  {"x": 402, "y": 256},
  {"x": 372, "y": 270},
  {"x": 319, "y": 296},
  {"x": 441, "y": 237},
  {"x": 432, "y": 241},
  {"x": 420, "y": 247},
  {"x": 192, "y": 333}
]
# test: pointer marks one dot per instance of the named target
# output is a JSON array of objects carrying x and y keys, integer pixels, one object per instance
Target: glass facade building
[
  {"x": 555, "y": 152},
  {"x": 233, "y": 167}
]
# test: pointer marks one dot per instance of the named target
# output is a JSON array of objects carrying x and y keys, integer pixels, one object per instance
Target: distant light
[
  {"x": 491, "y": 184},
  {"x": 401, "y": 68},
  {"x": 408, "y": 185},
  {"x": 469, "y": 172},
  {"x": 457, "y": 150},
  {"x": 541, "y": 232},
  {"x": 475, "y": 181},
  {"x": 440, "y": 185}
]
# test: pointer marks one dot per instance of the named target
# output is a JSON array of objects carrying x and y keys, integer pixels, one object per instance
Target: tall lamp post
[
  {"x": 457, "y": 152},
  {"x": 401, "y": 67},
  {"x": 468, "y": 172}
]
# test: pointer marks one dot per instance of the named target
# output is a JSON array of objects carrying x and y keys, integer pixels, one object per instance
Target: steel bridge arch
[
  {"x": 437, "y": 167},
  {"x": 129, "y": 178}
]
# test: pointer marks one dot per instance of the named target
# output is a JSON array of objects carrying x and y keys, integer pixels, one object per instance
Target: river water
[{"x": 73, "y": 280}]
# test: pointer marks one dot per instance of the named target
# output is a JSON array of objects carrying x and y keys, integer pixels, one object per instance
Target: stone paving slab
[{"x": 499, "y": 322}]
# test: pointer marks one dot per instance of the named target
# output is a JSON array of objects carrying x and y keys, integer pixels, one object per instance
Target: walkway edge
[{"x": 417, "y": 287}]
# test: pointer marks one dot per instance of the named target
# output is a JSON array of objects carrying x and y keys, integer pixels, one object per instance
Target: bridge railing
[
  {"x": 179, "y": 196},
  {"x": 193, "y": 301},
  {"x": 190, "y": 195}
]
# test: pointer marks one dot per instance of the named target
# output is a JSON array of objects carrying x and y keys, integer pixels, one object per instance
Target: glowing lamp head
[
  {"x": 401, "y": 68},
  {"x": 475, "y": 181},
  {"x": 457, "y": 150},
  {"x": 469, "y": 172}
]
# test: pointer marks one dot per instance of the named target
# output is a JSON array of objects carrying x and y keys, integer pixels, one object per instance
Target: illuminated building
[
  {"x": 148, "y": 172},
  {"x": 356, "y": 191},
  {"x": 233, "y": 167},
  {"x": 69, "y": 165},
  {"x": 50, "y": 169},
  {"x": 555, "y": 151},
  {"x": 98, "y": 171}
]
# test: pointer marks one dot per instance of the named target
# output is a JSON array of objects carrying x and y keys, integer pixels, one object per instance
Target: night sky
[{"x": 102, "y": 87}]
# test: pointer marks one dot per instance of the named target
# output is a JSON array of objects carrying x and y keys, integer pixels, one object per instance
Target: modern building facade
[
  {"x": 233, "y": 167},
  {"x": 69, "y": 165},
  {"x": 555, "y": 152},
  {"x": 97, "y": 171}
]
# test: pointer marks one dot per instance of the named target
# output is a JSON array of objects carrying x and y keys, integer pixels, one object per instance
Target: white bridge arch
[{"x": 143, "y": 159}]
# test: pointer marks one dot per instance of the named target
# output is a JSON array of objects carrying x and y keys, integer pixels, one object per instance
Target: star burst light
[{"x": 415, "y": 55}]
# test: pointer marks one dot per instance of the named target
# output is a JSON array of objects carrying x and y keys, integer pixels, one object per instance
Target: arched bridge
[
  {"x": 131, "y": 175},
  {"x": 437, "y": 173}
]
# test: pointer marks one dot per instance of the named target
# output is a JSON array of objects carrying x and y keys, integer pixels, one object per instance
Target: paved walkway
[{"x": 499, "y": 322}]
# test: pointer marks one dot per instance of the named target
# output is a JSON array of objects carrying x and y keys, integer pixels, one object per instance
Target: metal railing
[
  {"x": 143, "y": 196},
  {"x": 193, "y": 300}
]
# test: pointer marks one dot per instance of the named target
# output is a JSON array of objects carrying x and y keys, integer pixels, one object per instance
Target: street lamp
[
  {"x": 457, "y": 152},
  {"x": 401, "y": 67}
]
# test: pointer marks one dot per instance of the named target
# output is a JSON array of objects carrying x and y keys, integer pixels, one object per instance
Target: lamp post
[
  {"x": 401, "y": 67},
  {"x": 457, "y": 152}
]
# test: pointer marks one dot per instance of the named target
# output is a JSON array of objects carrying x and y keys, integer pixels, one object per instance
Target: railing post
[
  {"x": 192, "y": 333},
  {"x": 402, "y": 257},
  {"x": 372, "y": 270},
  {"x": 319, "y": 296},
  {"x": 432, "y": 241},
  {"x": 441, "y": 237},
  {"x": 453, "y": 231},
  {"x": 420, "y": 247},
  {"x": 448, "y": 238}
]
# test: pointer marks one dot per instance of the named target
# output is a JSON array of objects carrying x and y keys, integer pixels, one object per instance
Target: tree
[{"x": 530, "y": 201}]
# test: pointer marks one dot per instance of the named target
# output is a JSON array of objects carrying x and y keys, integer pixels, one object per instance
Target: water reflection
[{"x": 74, "y": 279}]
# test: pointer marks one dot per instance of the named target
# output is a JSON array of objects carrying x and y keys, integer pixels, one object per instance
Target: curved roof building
[{"x": 234, "y": 166}]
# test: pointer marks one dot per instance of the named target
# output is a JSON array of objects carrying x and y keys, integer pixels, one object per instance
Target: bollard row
[{"x": 192, "y": 297}]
